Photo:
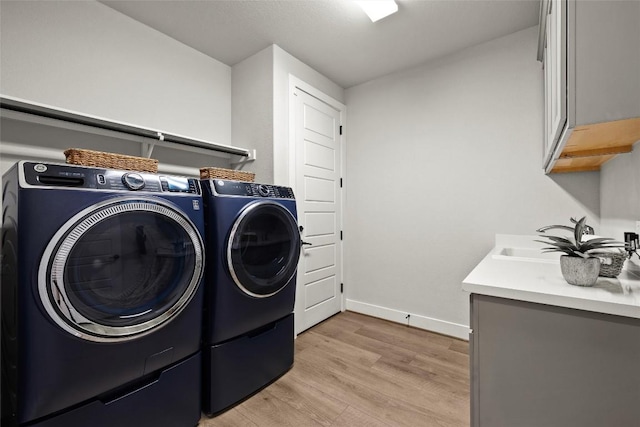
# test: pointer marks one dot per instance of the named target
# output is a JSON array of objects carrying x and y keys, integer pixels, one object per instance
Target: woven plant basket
[
  {"x": 82, "y": 157},
  {"x": 221, "y": 173},
  {"x": 611, "y": 263}
]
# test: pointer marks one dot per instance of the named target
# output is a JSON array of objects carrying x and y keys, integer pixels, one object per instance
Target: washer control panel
[
  {"x": 250, "y": 189},
  {"x": 70, "y": 176}
]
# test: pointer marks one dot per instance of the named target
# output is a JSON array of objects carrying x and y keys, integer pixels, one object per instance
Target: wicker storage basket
[
  {"x": 613, "y": 268},
  {"x": 77, "y": 156},
  {"x": 221, "y": 173}
]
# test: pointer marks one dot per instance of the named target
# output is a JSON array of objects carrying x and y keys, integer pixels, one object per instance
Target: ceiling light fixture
[{"x": 378, "y": 9}]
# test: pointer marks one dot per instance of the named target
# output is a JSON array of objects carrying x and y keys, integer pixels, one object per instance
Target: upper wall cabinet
[{"x": 591, "y": 56}]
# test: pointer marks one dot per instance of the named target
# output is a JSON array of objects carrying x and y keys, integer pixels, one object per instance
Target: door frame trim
[{"x": 297, "y": 84}]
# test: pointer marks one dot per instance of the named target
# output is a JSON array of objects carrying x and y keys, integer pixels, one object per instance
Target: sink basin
[{"x": 527, "y": 254}]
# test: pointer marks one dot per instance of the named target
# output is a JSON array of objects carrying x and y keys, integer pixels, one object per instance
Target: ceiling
[{"x": 334, "y": 37}]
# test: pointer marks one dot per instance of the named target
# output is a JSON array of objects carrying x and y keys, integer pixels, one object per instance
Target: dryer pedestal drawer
[
  {"x": 244, "y": 365},
  {"x": 171, "y": 400}
]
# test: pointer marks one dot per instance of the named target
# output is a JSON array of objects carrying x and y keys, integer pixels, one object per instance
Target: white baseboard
[{"x": 422, "y": 322}]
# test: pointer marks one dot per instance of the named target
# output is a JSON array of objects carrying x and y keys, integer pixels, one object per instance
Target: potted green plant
[{"x": 579, "y": 266}]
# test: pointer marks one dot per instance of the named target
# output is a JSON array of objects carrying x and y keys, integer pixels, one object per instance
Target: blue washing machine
[
  {"x": 253, "y": 246},
  {"x": 101, "y": 297}
]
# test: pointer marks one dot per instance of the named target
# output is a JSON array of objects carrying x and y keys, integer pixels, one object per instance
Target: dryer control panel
[
  {"x": 250, "y": 189},
  {"x": 70, "y": 176}
]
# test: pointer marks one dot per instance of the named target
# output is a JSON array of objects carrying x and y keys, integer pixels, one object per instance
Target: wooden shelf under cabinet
[{"x": 590, "y": 146}]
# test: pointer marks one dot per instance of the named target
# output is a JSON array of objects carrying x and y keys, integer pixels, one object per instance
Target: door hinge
[
  {"x": 340, "y": 234},
  {"x": 341, "y": 130},
  {"x": 341, "y": 288},
  {"x": 340, "y": 182}
]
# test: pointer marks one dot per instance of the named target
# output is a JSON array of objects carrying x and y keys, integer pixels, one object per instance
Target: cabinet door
[
  {"x": 548, "y": 137},
  {"x": 555, "y": 75},
  {"x": 536, "y": 365}
]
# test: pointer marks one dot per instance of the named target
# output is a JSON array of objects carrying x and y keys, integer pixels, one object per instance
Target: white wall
[
  {"x": 261, "y": 108},
  {"x": 252, "y": 111},
  {"x": 86, "y": 57},
  {"x": 620, "y": 197},
  {"x": 440, "y": 158}
]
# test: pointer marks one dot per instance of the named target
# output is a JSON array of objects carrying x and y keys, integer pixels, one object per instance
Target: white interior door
[{"x": 318, "y": 165}]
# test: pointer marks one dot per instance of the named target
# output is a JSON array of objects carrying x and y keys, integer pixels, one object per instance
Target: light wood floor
[{"x": 355, "y": 370}]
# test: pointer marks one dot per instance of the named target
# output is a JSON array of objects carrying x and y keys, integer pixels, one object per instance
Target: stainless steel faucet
[
  {"x": 549, "y": 227},
  {"x": 587, "y": 228}
]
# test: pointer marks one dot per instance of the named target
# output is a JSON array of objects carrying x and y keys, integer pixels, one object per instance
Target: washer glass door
[
  {"x": 122, "y": 269},
  {"x": 263, "y": 249}
]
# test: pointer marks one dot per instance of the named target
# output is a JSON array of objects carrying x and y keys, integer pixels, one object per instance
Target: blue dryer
[
  {"x": 253, "y": 247},
  {"x": 101, "y": 297}
]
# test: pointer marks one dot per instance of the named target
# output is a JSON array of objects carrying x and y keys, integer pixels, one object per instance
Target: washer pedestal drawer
[
  {"x": 168, "y": 399},
  {"x": 238, "y": 368}
]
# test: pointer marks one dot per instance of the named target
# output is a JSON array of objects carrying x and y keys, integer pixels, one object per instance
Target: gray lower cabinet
[{"x": 534, "y": 365}]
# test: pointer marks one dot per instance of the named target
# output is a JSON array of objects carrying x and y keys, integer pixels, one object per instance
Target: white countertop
[{"x": 540, "y": 281}]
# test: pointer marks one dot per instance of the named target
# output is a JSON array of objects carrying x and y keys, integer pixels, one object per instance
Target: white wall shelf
[{"x": 20, "y": 110}]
